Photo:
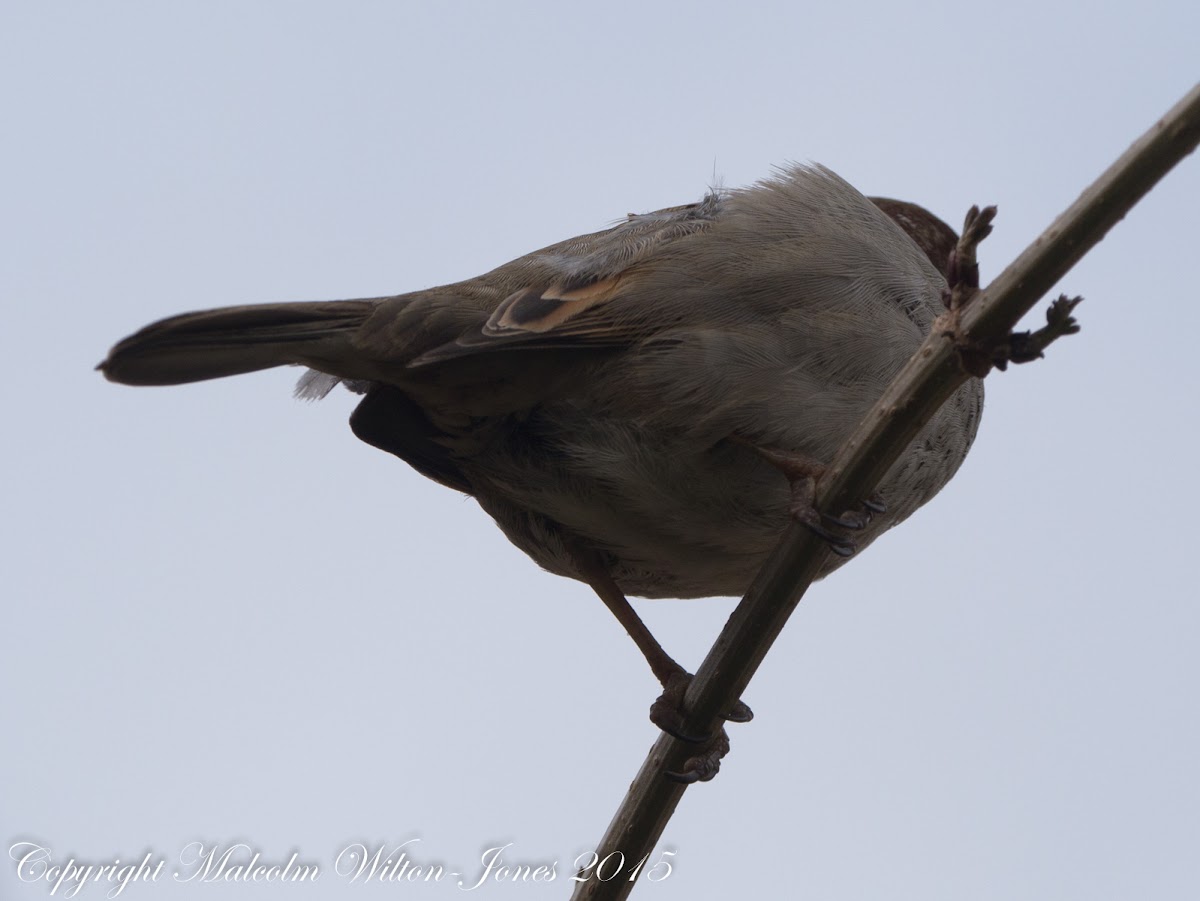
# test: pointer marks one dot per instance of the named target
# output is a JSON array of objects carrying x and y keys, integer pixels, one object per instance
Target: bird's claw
[
  {"x": 703, "y": 766},
  {"x": 667, "y": 712},
  {"x": 857, "y": 520}
]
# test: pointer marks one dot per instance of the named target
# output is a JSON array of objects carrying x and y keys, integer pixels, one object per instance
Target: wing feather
[{"x": 567, "y": 294}]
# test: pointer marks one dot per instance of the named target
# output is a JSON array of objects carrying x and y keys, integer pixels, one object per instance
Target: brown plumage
[{"x": 604, "y": 398}]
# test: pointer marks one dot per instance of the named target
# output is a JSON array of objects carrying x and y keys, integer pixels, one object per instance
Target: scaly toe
[
  {"x": 668, "y": 713},
  {"x": 841, "y": 546},
  {"x": 703, "y": 766}
]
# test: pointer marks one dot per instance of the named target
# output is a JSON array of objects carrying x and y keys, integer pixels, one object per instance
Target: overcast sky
[{"x": 227, "y": 620}]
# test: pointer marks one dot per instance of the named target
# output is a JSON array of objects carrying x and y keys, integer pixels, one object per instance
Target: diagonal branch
[{"x": 926, "y": 381}]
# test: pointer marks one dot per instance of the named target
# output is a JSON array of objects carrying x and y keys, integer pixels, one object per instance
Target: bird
[{"x": 645, "y": 408}]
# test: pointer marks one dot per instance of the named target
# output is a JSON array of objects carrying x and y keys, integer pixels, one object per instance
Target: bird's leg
[
  {"x": 803, "y": 473},
  {"x": 667, "y": 712}
]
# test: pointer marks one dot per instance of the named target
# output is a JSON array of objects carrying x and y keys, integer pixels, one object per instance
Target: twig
[{"x": 927, "y": 380}]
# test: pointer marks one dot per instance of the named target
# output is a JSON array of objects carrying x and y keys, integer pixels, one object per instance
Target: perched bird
[{"x": 642, "y": 408}]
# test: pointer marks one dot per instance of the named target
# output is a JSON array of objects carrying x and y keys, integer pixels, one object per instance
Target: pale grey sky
[{"x": 227, "y": 620}]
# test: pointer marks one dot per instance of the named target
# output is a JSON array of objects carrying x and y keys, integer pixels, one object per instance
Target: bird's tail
[{"x": 232, "y": 340}]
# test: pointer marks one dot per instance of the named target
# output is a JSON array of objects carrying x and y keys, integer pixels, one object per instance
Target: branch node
[
  {"x": 962, "y": 269},
  {"x": 1025, "y": 347},
  {"x": 962, "y": 280},
  {"x": 979, "y": 356}
]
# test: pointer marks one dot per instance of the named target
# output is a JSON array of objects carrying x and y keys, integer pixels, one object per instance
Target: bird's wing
[{"x": 567, "y": 294}]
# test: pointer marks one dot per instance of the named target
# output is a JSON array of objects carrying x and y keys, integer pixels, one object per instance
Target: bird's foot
[
  {"x": 669, "y": 714},
  {"x": 804, "y": 512},
  {"x": 802, "y": 474},
  {"x": 703, "y": 766}
]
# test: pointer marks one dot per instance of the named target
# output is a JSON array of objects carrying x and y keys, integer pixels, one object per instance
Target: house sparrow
[{"x": 642, "y": 408}]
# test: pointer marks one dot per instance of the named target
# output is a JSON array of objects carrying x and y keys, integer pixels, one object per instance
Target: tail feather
[{"x": 229, "y": 341}]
